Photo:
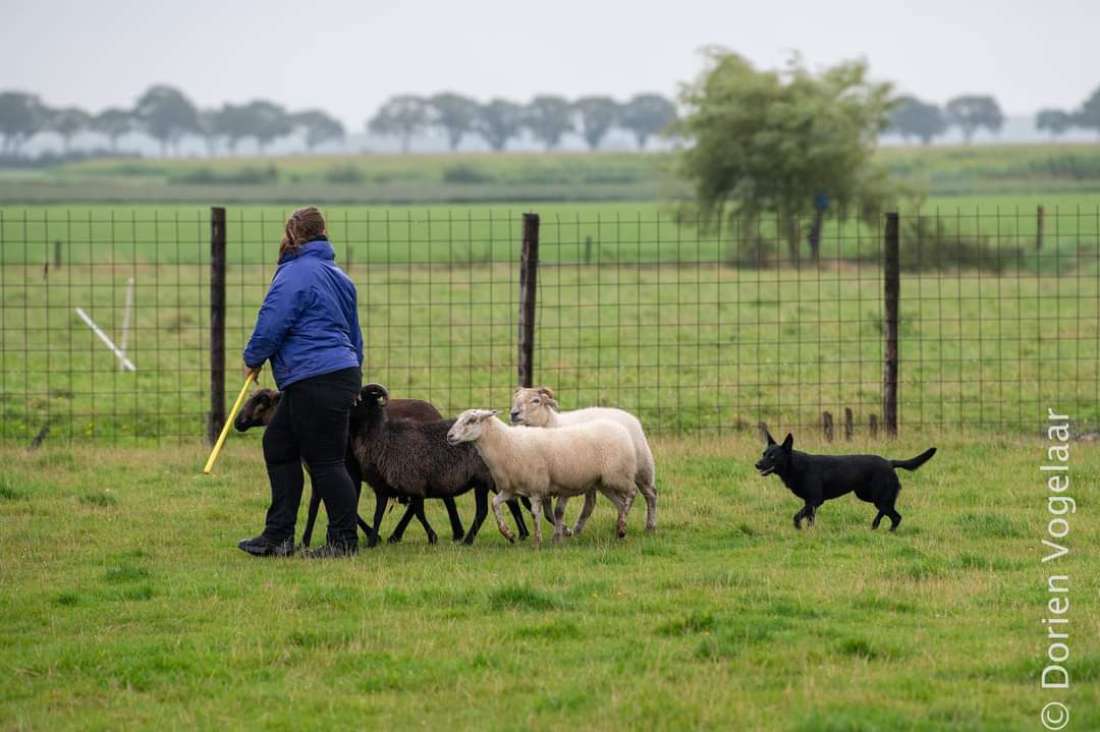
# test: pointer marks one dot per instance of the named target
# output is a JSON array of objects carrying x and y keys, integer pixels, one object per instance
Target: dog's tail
[{"x": 914, "y": 463}]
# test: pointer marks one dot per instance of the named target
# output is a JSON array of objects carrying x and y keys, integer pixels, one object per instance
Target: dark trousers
[{"x": 311, "y": 424}]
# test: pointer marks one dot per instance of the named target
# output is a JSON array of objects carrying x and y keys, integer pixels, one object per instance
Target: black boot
[{"x": 261, "y": 546}]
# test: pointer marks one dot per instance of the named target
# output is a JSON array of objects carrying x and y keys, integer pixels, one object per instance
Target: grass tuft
[
  {"x": 523, "y": 597},
  {"x": 124, "y": 573},
  {"x": 99, "y": 500},
  {"x": 989, "y": 524},
  {"x": 696, "y": 622}
]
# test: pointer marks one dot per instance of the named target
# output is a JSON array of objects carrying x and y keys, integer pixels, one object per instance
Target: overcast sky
[{"x": 348, "y": 55}]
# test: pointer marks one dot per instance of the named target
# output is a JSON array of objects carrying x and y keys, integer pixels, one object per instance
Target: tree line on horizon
[
  {"x": 167, "y": 115},
  {"x": 913, "y": 117}
]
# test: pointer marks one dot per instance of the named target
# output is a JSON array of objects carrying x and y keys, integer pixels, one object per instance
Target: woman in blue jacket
[{"x": 308, "y": 327}]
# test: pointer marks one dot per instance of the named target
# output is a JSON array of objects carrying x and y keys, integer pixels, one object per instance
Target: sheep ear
[
  {"x": 769, "y": 438},
  {"x": 546, "y": 391},
  {"x": 492, "y": 413}
]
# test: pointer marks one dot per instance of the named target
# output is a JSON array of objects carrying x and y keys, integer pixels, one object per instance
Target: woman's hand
[{"x": 248, "y": 369}]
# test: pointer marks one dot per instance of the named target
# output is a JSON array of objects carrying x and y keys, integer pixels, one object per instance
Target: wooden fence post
[
  {"x": 1039, "y": 225},
  {"x": 892, "y": 291},
  {"x": 57, "y": 254},
  {"x": 849, "y": 424},
  {"x": 217, "y": 324},
  {"x": 827, "y": 425},
  {"x": 528, "y": 289}
]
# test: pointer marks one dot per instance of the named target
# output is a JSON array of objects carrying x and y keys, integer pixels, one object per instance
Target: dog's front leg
[
  {"x": 810, "y": 512},
  {"x": 798, "y": 517}
]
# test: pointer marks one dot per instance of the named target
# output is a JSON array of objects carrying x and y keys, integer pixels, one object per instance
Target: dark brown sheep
[
  {"x": 258, "y": 412},
  {"x": 414, "y": 460}
]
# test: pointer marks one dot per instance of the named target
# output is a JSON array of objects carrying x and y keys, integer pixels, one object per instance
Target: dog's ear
[
  {"x": 788, "y": 442},
  {"x": 769, "y": 438}
]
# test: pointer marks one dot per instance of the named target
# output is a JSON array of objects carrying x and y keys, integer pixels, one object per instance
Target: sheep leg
[
  {"x": 380, "y": 501},
  {"x": 499, "y": 515},
  {"x": 586, "y": 511},
  {"x": 356, "y": 475},
  {"x": 311, "y": 519},
  {"x": 536, "y": 512},
  {"x": 517, "y": 516},
  {"x": 399, "y": 530},
  {"x": 624, "y": 501},
  {"x": 481, "y": 510},
  {"x": 527, "y": 502},
  {"x": 559, "y": 526},
  {"x": 559, "y": 516},
  {"x": 457, "y": 531},
  {"x": 417, "y": 505},
  {"x": 650, "y": 492}
]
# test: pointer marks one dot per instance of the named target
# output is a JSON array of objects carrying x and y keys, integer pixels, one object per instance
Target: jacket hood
[{"x": 321, "y": 248}]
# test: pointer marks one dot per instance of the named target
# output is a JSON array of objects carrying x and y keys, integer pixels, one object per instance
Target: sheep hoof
[
  {"x": 395, "y": 539},
  {"x": 433, "y": 539}
]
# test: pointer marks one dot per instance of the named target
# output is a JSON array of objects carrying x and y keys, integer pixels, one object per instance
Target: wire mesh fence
[{"x": 694, "y": 328}]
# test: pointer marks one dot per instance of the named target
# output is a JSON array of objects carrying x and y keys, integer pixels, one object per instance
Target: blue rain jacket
[{"x": 308, "y": 324}]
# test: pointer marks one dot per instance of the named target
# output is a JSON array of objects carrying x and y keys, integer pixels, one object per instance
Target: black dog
[{"x": 818, "y": 478}]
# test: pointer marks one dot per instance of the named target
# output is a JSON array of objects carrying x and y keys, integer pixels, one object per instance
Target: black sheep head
[
  {"x": 373, "y": 394},
  {"x": 258, "y": 410}
]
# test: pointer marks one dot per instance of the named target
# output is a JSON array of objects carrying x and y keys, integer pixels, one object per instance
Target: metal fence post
[
  {"x": 528, "y": 288},
  {"x": 217, "y": 324},
  {"x": 892, "y": 292}
]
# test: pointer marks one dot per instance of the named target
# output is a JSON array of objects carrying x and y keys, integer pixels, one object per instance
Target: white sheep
[
  {"x": 536, "y": 407},
  {"x": 541, "y": 464}
]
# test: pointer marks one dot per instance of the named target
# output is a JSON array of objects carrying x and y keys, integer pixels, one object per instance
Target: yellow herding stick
[{"x": 229, "y": 422}]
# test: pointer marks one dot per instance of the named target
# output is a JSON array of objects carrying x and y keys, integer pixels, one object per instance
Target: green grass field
[
  {"x": 127, "y": 605},
  {"x": 514, "y": 177}
]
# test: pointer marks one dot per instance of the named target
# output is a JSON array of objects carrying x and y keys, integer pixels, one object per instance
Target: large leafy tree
[
  {"x": 912, "y": 117},
  {"x": 498, "y": 122},
  {"x": 548, "y": 118},
  {"x": 319, "y": 127},
  {"x": 971, "y": 112},
  {"x": 455, "y": 114},
  {"x": 1088, "y": 116},
  {"x": 647, "y": 115},
  {"x": 1055, "y": 121},
  {"x": 113, "y": 123},
  {"x": 774, "y": 142},
  {"x": 21, "y": 116},
  {"x": 167, "y": 115},
  {"x": 598, "y": 114},
  {"x": 68, "y": 122},
  {"x": 401, "y": 116}
]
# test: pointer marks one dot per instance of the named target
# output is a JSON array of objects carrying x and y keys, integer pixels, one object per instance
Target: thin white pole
[
  {"x": 126, "y": 363},
  {"x": 127, "y": 315}
]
